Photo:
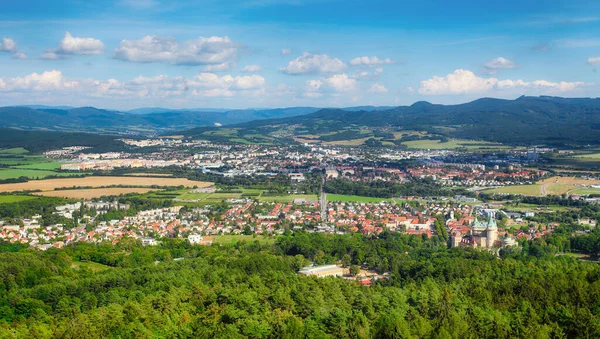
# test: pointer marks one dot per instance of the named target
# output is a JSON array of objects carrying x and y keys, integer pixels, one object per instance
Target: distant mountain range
[
  {"x": 144, "y": 120},
  {"x": 523, "y": 121}
]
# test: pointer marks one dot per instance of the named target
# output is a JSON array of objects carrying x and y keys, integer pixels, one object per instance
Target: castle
[{"x": 481, "y": 234}]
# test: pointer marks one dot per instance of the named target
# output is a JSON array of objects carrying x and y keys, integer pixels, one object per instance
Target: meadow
[
  {"x": 452, "y": 144},
  {"x": 552, "y": 186},
  {"x": 93, "y": 192},
  {"x": 353, "y": 198},
  {"x": 7, "y": 199},
  {"x": 232, "y": 239}
]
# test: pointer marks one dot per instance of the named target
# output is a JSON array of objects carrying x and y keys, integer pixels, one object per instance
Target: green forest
[{"x": 252, "y": 290}]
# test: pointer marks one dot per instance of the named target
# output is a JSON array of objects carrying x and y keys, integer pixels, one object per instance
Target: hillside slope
[{"x": 523, "y": 121}]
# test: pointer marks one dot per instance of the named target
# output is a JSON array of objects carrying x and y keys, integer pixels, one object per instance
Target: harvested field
[
  {"x": 92, "y": 193},
  {"x": 569, "y": 181},
  {"x": 149, "y": 175},
  {"x": 49, "y": 185}
]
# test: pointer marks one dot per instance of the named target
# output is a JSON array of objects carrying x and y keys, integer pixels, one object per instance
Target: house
[
  {"x": 195, "y": 238},
  {"x": 149, "y": 242},
  {"x": 322, "y": 271}
]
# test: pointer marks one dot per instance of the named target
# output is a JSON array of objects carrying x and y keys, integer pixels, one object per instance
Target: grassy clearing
[
  {"x": 353, "y": 198},
  {"x": 14, "y": 173},
  {"x": 90, "y": 265},
  {"x": 42, "y": 166},
  {"x": 288, "y": 198},
  {"x": 13, "y": 151},
  {"x": 7, "y": 199},
  {"x": 588, "y": 156},
  {"x": 534, "y": 190},
  {"x": 452, "y": 144},
  {"x": 585, "y": 191},
  {"x": 92, "y": 193},
  {"x": 232, "y": 239}
]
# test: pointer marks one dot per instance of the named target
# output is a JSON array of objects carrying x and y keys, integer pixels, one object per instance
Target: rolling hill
[{"x": 523, "y": 121}]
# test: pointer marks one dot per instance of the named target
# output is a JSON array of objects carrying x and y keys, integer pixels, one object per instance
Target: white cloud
[
  {"x": 222, "y": 67},
  {"x": 593, "y": 61},
  {"x": 8, "y": 45},
  {"x": 162, "y": 86},
  {"x": 202, "y": 51},
  {"x": 341, "y": 82},
  {"x": 370, "y": 61},
  {"x": 252, "y": 68},
  {"x": 378, "y": 88},
  {"x": 70, "y": 45},
  {"x": 286, "y": 51},
  {"x": 313, "y": 63},
  {"x": 466, "y": 82},
  {"x": 313, "y": 88},
  {"x": 492, "y": 66}
]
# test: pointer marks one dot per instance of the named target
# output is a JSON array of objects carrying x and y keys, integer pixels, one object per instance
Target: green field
[
  {"x": 353, "y": 198},
  {"x": 585, "y": 191},
  {"x": 50, "y": 166},
  {"x": 13, "y": 151},
  {"x": 452, "y": 144},
  {"x": 14, "y": 173},
  {"x": 232, "y": 239},
  {"x": 7, "y": 199},
  {"x": 588, "y": 156},
  {"x": 288, "y": 198}
]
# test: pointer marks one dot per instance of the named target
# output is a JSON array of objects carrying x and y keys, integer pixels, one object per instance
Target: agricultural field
[
  {"x": 552, "y": 186},
  {"x": 533, "y": 190},
  {"x": 100, "y": 181},
  {"x": 452, "y": 144},
  {"x": 13, "y": 173},
  {"x": 49, "y": 166},
  {"x": 93, "y": 192},
  {"x": 7, "y": 199}
]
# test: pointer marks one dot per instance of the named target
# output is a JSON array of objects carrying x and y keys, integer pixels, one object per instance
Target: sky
[{"x": 125, "y": 54}]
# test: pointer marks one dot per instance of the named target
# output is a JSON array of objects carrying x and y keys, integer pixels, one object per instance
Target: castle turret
[{"x": 491, "y": 232}]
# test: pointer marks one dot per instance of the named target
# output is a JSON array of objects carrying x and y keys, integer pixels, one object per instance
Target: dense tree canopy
[{"x": 252, "y": 290}]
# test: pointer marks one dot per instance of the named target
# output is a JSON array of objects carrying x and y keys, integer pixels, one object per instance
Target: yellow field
[
  {"x": 149, "y": 175},
  {"x": 49, "y": 185},
  {"x": 92, "y": 193}
]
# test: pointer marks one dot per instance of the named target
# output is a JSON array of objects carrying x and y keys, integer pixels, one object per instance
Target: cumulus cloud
[
  {"x": 494, "y": 65},
  {"x": 593, "y": 61},
  {"x": 71, "y": 45},
  {"x": 313, "y": 88},
  {"x": 162, "y": 86},
  {"x": 202, "y": 51},
  {"x": 252, "y": 68},
  {"x": 8, "y": 45},
  {"x": 378, "y": 88},
  {"x": 466, "y": 82},
  {"x": 313, "y": 63},
  {"x": 341, "y": 82},
  {"x": 286, "y": 51},
  {"x": 370, "y": 61}
]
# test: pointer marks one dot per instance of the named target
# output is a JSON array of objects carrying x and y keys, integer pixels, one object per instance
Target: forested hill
[
  {"x": 92, "y": 119},
  {"x": 526, "y": 120}
]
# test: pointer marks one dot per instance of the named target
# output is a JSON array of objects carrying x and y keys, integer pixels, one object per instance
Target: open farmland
[
  {"x": 100, "y": 181},
  {"x": 93, "y": 192},
  {"x": 552, "y": 186}
]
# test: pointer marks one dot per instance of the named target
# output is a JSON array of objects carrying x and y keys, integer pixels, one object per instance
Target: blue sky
[{"x": 266, "y": 53}]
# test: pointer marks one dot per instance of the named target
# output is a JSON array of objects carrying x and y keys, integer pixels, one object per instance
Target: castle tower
[{"x": 491, "y": 232}]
